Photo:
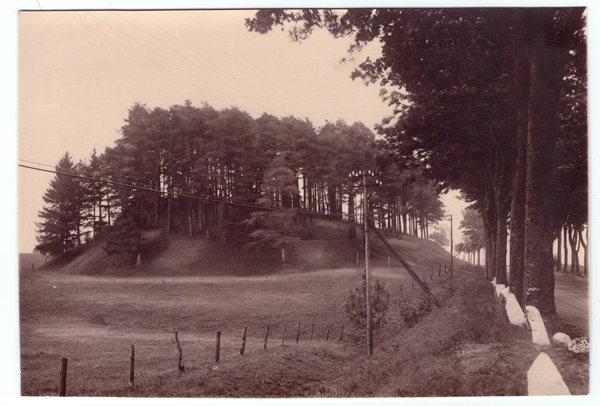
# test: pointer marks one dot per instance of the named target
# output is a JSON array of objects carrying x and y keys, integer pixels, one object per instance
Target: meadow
[
  {"x": 465, "y": 348},
  {"x": 92, "y": 321}
]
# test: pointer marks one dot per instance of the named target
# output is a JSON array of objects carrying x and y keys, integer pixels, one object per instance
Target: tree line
[
  {"x": 492, "y": 102},
  {"x": 191, "y": 170}
]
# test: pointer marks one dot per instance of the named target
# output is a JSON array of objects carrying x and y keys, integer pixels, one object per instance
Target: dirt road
[{"x": 572, "y": 299}]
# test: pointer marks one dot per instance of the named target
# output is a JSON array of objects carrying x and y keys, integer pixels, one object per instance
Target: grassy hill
[{"x": 328, "y": 247}]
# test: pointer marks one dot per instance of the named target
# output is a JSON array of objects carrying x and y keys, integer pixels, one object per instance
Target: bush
[
  {"x": 356, "y": 307},
  {"x": 412, "y": 312}
]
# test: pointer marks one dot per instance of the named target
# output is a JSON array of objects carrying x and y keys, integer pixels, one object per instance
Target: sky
[{"x": 80, "y": 71}]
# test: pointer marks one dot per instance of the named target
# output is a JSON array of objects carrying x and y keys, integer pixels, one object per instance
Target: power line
[
  {"x": 186, "y": 195},
  {"x": 189, "y": 60},
  {"x": 149, "y": 59},
  {"x": 132, "y": 58},
  {"x": 153, "y": 51},
  {"x": 36, "y": 163},
  {"x": 217, "y": 66}
]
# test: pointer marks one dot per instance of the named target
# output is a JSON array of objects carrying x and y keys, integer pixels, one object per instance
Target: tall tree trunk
[
  {"x": 574, "y": 241},
  {"x": 490, "y": 225},
  {"x": 559, "y": 250},
  {"x": 585, "y": 251},
  {"x": 541, "y": 139},
  {"x": 517, "y": 207},
  {"x": 566, "y": 248},
  {"x": 501, "y": 244},
  {"x": 93, "y": 222},
  {"x": 304, "y": 191},
  {"x": 296, "y": 197},
  {"x": 350, "y": 205},
  {"x": 108, "y": 207},
  {"x": 169, "y": 214},
  {"x": 190, "y": 217}
]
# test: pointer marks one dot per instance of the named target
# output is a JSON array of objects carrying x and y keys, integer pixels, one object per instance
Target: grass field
[
  {"x": 93, "y": 320},
  {"x": 465, "y": 348}
]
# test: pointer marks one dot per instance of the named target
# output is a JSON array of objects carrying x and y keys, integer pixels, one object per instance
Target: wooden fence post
[
  {"x": 218, "y": 346},
  {"x": 297, "y": 332},
  {"x": 431, "y": 274},
  {"x": 342, "y": 332},
  {"x": 440, "y": 270},
  {"x": 243, "y": 341},
  {"x": 266, "y": 337},
  {"x": 389, "y": 262},
  {"x": 312, "y": 325},
  {"x": 327, "y": 335},
  {"x": 131, "y": 365},
  {"x": 63, "y": 378},
  {"x": 33, "y": 267},
  {"x": 356, "y": 258}
]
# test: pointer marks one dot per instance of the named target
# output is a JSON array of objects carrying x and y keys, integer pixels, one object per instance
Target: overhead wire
[
  {"x": 36, "y": 163},
  {"x": 127, "y": 55},
  {"x": 215, "y": 65},
  {"x": 118, "y": 14},
  {"x": 177, "y": 194},
  {"x": 151, "y": 60},
  {"x": 192, "y": 62}
]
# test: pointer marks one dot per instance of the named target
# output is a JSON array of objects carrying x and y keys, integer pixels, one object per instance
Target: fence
[{"x": 329, "y": 333}]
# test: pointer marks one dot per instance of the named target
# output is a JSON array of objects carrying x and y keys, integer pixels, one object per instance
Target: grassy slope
[
  {"x": 328, "y": 247},
  {"x": 465, "y": 348}
]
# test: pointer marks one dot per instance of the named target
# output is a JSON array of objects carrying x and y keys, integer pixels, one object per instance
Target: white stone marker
[
  {"x": 543, "y": 379},
  {"x": 513, "y": 310},
  {"x": 539, "y": 335}
]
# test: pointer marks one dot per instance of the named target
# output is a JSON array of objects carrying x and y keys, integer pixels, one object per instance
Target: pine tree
[{"x": 60, "y": 229}]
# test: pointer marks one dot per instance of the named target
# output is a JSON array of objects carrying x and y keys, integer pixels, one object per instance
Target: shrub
[
  {"x": 412, "y": 312},
  {"x": 356, "y": 307}
]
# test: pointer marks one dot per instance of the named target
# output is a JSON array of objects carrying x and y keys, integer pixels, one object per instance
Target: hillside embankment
[{"x": 327, "y": 247}]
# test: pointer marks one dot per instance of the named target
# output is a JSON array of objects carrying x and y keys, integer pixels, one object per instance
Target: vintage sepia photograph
[{"x": 329, "y": 203}]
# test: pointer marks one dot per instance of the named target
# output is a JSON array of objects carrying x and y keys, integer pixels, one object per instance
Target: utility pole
[
  {"x": 367, "y": 270},
  {"x": 451, "y": 249},
  {"x": 366, "y": 177}
]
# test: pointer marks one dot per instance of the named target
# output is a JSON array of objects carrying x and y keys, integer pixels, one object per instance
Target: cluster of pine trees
[{"x": 191, "y": 169}]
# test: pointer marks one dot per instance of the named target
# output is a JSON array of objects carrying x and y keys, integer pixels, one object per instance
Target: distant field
[
  {"x": 27, "y": 260},
  {"x": 93, "y": 320}
]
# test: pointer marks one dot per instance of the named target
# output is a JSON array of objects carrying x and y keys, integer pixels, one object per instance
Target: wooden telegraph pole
[
  {"x": 367, "y": 175},
  {"x": 367, "y": 270},
  {"x": 451, "y": 249}
]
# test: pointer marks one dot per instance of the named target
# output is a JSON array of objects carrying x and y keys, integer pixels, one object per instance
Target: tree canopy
[{"x": 191, "y": 170}]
